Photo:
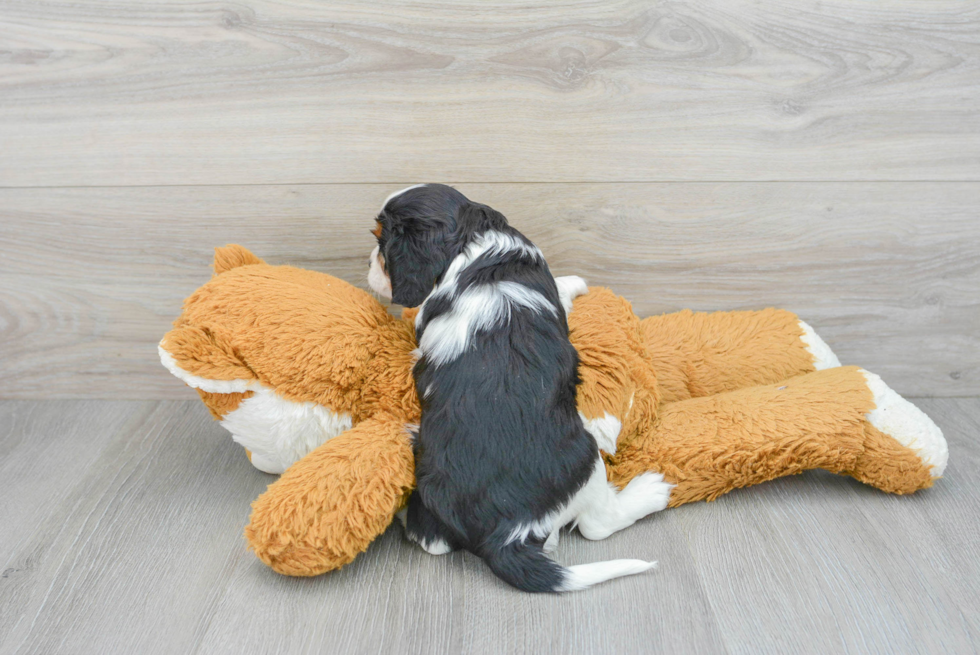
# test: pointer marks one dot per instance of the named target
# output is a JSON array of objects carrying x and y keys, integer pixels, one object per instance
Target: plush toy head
[
  {"x": 289, "y": 358},
  {"x": 313, "y": 377}
]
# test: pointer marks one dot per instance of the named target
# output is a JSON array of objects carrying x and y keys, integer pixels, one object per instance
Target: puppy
[{"x": 502, "y": 458}]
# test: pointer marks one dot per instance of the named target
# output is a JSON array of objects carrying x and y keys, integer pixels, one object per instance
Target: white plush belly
[{"x": 280, "y": 432}]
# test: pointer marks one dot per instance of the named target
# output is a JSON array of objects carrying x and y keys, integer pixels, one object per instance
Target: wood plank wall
[{"x": 818, "y": 156}]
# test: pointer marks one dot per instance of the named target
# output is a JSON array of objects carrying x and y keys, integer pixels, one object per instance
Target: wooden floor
[
  {"x": 817, "y": 155},
  {"x": 122, "y": 534}
]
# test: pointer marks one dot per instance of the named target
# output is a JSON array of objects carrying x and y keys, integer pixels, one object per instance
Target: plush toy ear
[{"x": 233, "y": 256}]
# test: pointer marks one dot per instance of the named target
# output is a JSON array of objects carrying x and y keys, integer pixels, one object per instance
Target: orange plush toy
[{"x": 314, "y": 378}]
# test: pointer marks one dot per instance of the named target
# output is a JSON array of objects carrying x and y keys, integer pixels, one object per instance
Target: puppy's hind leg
[
  {"x": 602, "y": 511},
  {"x": 425, "y": 529},
  {"x": 551, "y": 543}
]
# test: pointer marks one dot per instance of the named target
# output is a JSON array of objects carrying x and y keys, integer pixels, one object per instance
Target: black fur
[
  {"x": 500, "y": 443},
  {"x": 417, "y": 239}
]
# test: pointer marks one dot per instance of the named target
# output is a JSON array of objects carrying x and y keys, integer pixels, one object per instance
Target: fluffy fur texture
[
  {"x": 710, "y": 402},
  {"x": 275, "y": 432},
  {"x": 502, "y": 459},
  {"x": 279, "y": 432}
]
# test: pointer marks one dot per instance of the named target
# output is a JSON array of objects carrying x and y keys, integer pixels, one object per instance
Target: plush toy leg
[
  {"x": 328, "y": 507},
  {"x": 841, "y": 419},
  {"x": 896, "y": 419},
  {"x": 701, "y": 354},
  {"x": 618, "y": 384}
]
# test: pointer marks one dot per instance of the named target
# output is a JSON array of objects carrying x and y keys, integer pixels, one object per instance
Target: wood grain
[
  {"x": 136, "y": 551},
  {"x": 888, "y": 273},
  {"x": 814, "y": 561},
  {"x": 122, "y": 533},
  {"x": 43, "y": 455},
  {"x": 102, "y": 92},
  {"x": 822, "y": 156}
]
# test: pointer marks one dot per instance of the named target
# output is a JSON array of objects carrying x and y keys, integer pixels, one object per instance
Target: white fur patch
[
  {"x": 398, "y": 193},
  {"x": 583, "y": 576},
  {"x": 570, "y": 287},
  {"x": 540, "y": 529},
  {"x": 479, "y": 308},
  {"x": 204, "y": 384},
  {"x": 280, "y": 432},
  {"x": 436, "y": 547},
  {"x": 599, "y": 510},
  {"x": 487, "y": 243},
  {"x": 605, "y": 430},
  {"x": 907, "y": 424},
  {"x": 492, "y": 242},
  {"x": 377, "y": 279},
  {"x": 823, "y": 356}
]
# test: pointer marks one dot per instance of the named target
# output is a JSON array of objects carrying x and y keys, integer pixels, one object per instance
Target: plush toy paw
[
  {"x": 823, "y": 356},
  {"x": 907, "y": 424},
  {"x": 570, "y": 287}
]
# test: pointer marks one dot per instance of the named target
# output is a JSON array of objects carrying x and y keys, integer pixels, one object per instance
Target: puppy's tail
[{"x": 526, "y": 567}]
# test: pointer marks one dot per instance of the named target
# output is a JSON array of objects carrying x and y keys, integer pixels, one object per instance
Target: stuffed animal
[{"x": 314, "y": 378}]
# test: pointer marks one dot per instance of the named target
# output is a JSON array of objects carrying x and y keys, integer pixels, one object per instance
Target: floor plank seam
[{"x": 492, "y": 182}]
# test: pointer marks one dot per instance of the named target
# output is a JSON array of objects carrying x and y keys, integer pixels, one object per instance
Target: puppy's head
[{"x": 418, "y": 232}]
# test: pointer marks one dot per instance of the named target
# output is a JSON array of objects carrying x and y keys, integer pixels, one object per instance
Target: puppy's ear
[{"x": 415, "y": 260}]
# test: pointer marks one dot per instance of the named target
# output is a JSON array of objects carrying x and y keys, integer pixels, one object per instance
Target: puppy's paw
[
  {"x": 436, "y": 547},
  {"x": 645, "y": 494},
  {"x": 551, "y": 543}
]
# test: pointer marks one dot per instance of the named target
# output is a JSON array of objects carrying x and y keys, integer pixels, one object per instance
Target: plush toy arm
[
  {"x": 844, "y": 420},
  {"x": 617, "y": 384},
  {"x": 700, "y": 354},
  {"x": 329, "y": 506}
]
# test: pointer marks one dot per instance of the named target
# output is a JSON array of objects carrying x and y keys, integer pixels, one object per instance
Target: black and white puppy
[{"x": 502, "y": 458}]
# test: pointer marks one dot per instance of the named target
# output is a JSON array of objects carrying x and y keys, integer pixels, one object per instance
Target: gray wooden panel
[
  {"x": 139, "y": 550},
  {"x": 821, "y": 563},
  {"x": 135, "y": 549},
  {"x": 888, "y": 273},
  {"x": 397, "y": 598},
  {"x": 45, "y": 451},
  {"x": 101, "y": 92}
]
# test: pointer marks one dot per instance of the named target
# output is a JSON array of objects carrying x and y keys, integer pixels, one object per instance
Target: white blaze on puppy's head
[
  {"x": 378, "y": 280},
  {"x": 398, "y": 193}
]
